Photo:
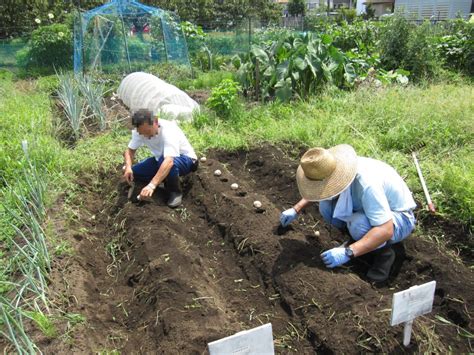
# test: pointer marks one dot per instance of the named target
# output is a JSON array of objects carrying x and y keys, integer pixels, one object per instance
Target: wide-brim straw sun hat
[{"x": 325, "y": 173}]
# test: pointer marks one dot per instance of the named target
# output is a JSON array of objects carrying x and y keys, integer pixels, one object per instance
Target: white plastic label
[
  {"x": 254, "y": 341},
  {"x": 412, "y": 303}
]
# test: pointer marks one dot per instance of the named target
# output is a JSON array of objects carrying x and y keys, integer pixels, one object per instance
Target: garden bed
[{"x": 151, "y": 279}]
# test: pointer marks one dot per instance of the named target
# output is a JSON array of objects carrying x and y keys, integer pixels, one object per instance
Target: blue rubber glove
[
  {"x": 335, "y": 257},
  {"x": 288, "y": 216}
]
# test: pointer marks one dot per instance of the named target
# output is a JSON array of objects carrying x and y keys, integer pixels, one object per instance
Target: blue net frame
[{"x": 128, "y": 35}]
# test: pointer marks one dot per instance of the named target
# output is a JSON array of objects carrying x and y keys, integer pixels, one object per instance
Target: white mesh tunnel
[{"x": 145, "y": 91}]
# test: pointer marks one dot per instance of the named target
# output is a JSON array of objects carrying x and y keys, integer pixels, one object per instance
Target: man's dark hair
[{"x": 142, "y": 116}]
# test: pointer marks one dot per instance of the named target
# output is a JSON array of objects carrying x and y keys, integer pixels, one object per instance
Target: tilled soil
[{"x": 150, "y": 279}]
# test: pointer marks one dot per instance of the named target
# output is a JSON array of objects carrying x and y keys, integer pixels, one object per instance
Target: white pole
[
  {"x": 423, "y": 184},
  {"x": 407, "y": 333}
]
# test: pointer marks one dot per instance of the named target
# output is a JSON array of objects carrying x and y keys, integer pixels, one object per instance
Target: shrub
[
  {"x": 224, "y": 97},
  {"x": 223, "y": 43},
  {"x": 394, "y": 38},
  {"x": 420, "y": 56},
  {"x": 455, "y": 46},
  {"x": 318, "y": 21},
  {"x": 49, "y": 46},
  {"x": 346, "y": 15}
]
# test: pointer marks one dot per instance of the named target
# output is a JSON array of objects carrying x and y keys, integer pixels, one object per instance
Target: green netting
[
  {"x": 9, "y": 50},
  {"x": 126, "y": 33}
]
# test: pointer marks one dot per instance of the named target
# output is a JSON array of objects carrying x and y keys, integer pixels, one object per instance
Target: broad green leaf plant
[{"x": 294, "y": 66}]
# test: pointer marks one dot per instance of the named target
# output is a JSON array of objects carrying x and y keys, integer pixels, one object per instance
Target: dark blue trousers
[{"x": 146, "y": 169}]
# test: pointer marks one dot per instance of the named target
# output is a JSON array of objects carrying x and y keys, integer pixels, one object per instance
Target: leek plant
[
  {"x": 72, "y": 103},
  {"x": 29, "y": 260},
  {"x": 12, "y": 318},
  {"x": 94, "y": 96}
]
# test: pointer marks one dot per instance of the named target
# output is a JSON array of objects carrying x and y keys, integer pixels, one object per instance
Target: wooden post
[{"x": 407, "y": 333}]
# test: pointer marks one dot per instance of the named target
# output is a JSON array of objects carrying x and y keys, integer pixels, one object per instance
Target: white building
[{"x": 434, "y": 9}]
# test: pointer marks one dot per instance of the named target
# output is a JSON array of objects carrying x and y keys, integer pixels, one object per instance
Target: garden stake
[
  {"x": 410, "y": 304},
  {"x": 431, "y": 206}
]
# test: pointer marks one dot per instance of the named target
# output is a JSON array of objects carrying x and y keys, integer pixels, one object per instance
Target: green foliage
[
  {"x": 295, "y": 65},
  {"x": 44, "y": 323},
  {"x": 224, "y": 97},
  {"x": 361, "y": 36},
  {"x": 73, "y": 104},
  {"x": 49, "y": 47},
  {"x": 296, "y": 7},
  {"x": 369, "y": 12},
  {"x": 204, "y": 80},
  {"x": 24, "y": 116},
  {"x": 48, "y": 84},
  {"x": 394, "y": 38},
  {"x": 138, "y": 50},
  {"x": 346, "y": 15},
  {"x": 403, "y": 45},
  {"x": 456, "y": 182},
  {"x": 21, "y": 17},
  {"x": 420, "y": 56},
  {"x": 170, "y": 72},
  {"x": 205, "y": 60},
  {"x": 219, "y": 14},
  {"x": 379, "y": 77},
  {"x": 193, "y": 31},
  {"x": 455, "y": 46},
  {"x": 318, "y": 21},
  {"x": 93, "y": 92},
  {"x": 113, "y": 49}
]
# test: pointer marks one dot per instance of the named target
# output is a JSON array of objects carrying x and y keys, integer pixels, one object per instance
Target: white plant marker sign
[
  {"x": 411, "y": 303},
  {"x": 254, "y": 341}
]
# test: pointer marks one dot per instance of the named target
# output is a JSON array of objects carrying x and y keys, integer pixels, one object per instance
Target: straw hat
[{"x": 325, "y": 173}]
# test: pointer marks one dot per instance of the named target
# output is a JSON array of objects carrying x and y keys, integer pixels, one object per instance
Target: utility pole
[{"x": 329, "y": 5}]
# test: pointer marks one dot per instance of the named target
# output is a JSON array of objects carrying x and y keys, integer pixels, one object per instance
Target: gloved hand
[
  {"x": 288, "y": 216},
  {"x": 335, "y": 257}
]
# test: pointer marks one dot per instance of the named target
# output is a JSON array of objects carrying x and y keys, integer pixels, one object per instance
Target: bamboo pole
[{"x": 431, "y": 206}]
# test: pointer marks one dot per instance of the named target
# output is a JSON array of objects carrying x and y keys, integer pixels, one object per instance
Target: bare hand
[
  {"x": 128, "y": 175},
  {"x": 146, "y": 192}
]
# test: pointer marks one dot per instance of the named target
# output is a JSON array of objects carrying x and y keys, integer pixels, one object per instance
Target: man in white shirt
[
  {"x": 365, "y": 195},
  {"x": 173, "y": 156}
]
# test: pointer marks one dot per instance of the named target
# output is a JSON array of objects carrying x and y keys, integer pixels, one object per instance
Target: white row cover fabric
[{"x": 145, "y": 91}]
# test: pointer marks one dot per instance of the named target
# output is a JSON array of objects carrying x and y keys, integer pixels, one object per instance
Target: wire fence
[
  {"x": 226, "y": 41},
  {"x": 220, "y": 40}
]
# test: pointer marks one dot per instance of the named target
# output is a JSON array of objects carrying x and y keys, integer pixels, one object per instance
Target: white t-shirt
[{"x": 169, "y": 142}]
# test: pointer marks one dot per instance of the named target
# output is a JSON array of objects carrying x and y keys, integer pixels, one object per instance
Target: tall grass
[{"x": 25, "y": 118}]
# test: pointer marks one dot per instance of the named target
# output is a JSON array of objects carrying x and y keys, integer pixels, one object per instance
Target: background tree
[
  {"x": 20, "y": 17},
  {"x": 220, "y": 13},
  {"x": 296, "y": 7}
]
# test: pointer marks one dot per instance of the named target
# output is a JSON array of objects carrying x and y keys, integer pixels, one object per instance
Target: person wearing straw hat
[{"x": 364, "y": 195}]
